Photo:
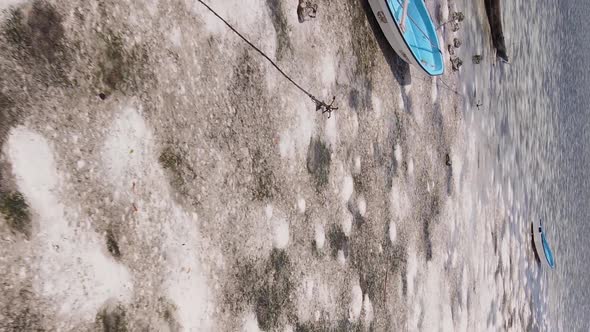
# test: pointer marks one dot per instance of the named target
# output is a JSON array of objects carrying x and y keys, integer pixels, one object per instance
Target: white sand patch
[
  {"x": 128, "y": 151},
  {"x": 80, "y": 164},
  {"x": 280, "y": 233},
  {"x": 250, "y": 17},
  {"x": 392, "y": 232},
  {"x": 176, "y": 36},
  {"x": 315, "y": 297},
  {"x": 376, "y": 103},
  {"x": 434, "y": 89},
  {"x": 10, "y": 3},
  {"x": 331, "y": 130},
  {"x": 367, "y": 310},
  {"x": 340, "y": 257},
  {"x": 397, "y": 153},
  {"x": 301, "y": 205},
  {"x": 305, "y": 299},
  {"x": 444, "y": 12},
  {"x": 346, "y": 223},
  {"x": 400, "y": 205},
  {"x": 74, "y": 270},
  {"x": 250, "y": 12},
  {"x": 328, "y": 70},
  {"x": 407, "y": 88},
  {"x": 319, "y": 236},
  {"x": 401, "y": 103},
  {"x": 305, "y": 129},
  {"x": 362, "y": 205},
  {"x": 411, "y": 167},
  {"x": 412, "y": 271},
  {"x": 458, "y": 173},
  {"x": 354, "y": 124},
  {"x": 129, "y": 154},
  {"x": 152, "y": 6},
  {"x": 268, "y": 210},
  {"x": 294, "y": 141},
  {"x": 435, "y": 299},
  {"x": 287, "y": 145},
  {"x": 347, "y": 188},
  {"x": 250, "y": 323},
  {"x": 357, "y": 165},
  {"x": 356, "y": 302}
]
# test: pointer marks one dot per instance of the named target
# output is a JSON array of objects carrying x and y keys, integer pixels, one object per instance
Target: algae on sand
[{"x": 16, "y": 211}]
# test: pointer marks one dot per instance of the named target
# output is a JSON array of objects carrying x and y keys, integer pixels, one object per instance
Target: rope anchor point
[{"x": 322, "y": 106}]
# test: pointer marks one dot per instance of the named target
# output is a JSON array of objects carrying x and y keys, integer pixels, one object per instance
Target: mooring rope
[{"x": 319, "y": 104}]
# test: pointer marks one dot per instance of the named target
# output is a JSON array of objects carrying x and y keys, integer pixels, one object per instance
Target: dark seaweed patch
[
  {"x": 112, "y": 319},
  {"x": 15, "y": 30},
  {"x": 268, "y": 285},
  {"x": 121, "y": 69},
  {"x": 354, "y": 101},
  {"x": 180, "y": 171},
  {"x": 167, "y": 311},
  {"x": 37, "y": 38},
  {"x": 113, "y": 244},
  {"x": 46, "y": 31},
  {"x": 275, "y": 297},
  {"x": 279, "y": 21},
  {"x": 16, "y": 211},
  {"x": 8, "y": 118},
  {"x": 318, "y": 162},
  {"x": 338, "y": 241},
  {"x": 39, "y": 33},
  {"x": 113, "y": 67},
  {"x": 264, "y": 186},
  {"x": 19, "y": 312}
]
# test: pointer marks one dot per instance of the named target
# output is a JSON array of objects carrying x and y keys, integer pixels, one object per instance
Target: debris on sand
[
  {"x": 477, "y": 59},
  {"x": 455, "y": 21},
  {"x": 451, "y": 49},
  {"x": 306, "y": 10},
  {"x": 457, "y": 42},
  {"x": 457, "y": 63}
]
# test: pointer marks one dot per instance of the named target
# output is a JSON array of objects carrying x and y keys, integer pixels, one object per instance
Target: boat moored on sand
[
  {"x": 409, "y": 30},
  {"x": 542, "y": 246}
]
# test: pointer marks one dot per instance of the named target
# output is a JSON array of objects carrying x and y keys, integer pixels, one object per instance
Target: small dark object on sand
[
  {"x": 306, "y": 10},
  {"x": 448, "y": 160},
  {"x": 457, "y": 63},
  {"x": 477, "y": 59},
  {"x": 457, "y": 42},
  {"x": 455, "y": 20},
  {"x": 495, "y": 19},
  {"x": 451, "y": 49},
  {"x": 457, "y": 16},
  {"x": 102, "y": 96}
]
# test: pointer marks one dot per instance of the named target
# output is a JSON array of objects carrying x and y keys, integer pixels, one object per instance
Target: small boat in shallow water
[
  {"x": 542, "y": 246},
  {"x": 410, "y": 31}
]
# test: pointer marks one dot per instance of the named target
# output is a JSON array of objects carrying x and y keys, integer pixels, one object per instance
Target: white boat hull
[{"x": 392, "y": 33}]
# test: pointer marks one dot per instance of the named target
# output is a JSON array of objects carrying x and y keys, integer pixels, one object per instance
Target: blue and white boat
[
  {"x": 409, "y": 30},
  {"x": 542, "y": 246}
]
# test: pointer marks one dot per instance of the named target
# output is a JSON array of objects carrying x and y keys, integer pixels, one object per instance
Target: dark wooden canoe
[{"x": 494, "y": 12}]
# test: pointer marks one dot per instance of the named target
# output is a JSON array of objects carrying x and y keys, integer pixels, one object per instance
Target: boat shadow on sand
[
  {"x": 399, "y": 68},
  {"x": 537, "y": 257}
]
